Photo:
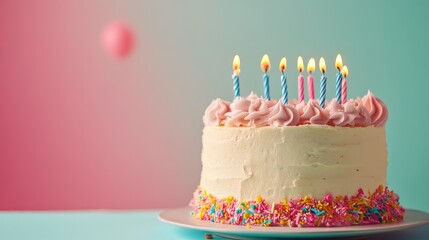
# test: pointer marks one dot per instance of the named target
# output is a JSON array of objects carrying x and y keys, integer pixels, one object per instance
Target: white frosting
[{"x": 292, "y": 161}]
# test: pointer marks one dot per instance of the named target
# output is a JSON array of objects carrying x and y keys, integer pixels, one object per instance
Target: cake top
[{"x": 255, "y": 111}]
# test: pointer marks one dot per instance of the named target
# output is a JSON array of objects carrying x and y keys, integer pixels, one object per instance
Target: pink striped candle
[
  {"x": 345, "y": 73},
  {"x": 310, "y": 79},
  {"x": 300, "y": 80}
]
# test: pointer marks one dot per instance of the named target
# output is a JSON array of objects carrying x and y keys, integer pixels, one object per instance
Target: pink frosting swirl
[
  {"x": 293, "y": 102},
  {"x": 376, "y": 108},
  {"x": 271, "y": 102},
  {"x": 362, "y": 119},
  {"x": 341, "y": 115},
  {"x": 252, "y": 96},
  {"x": 283, "y": 115},
  {"x": 239, "y": 110},
  {"x": 312, "y": 113},
  {"x": 251, "y": 111},
  {"x": 258, "y": 112},
  {"x": 215, "y": 112}
]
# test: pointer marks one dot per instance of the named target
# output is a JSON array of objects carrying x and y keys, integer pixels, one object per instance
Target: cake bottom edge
[{"x": 380, "y": 206}]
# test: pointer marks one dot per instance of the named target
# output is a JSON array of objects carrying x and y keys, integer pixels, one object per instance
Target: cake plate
[{"x": 181, "y": 217}]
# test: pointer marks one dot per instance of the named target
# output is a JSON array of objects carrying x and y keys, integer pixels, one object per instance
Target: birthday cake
[{"x": 295, "y": 163}]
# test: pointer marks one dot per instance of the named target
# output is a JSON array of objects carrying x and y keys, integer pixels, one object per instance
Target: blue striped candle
[
  {"x": 265, "y": 66},
  {"x": 322, "y": 90},
  {"x": 284, "y": 88},
  {"x": 338, "y": 86},
  {"x": 267, "y": 86},
  {"x": 338, "y": 82},
  {"x": 322, "y": 66},
  {"x": 283, "y": 80},
  {"x": 236, "y": 85},
  {"x": 235, "y": 76}
]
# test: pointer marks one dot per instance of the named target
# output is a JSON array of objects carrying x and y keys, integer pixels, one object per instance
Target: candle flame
[
  {"x": 311, "y": 65},
  {"x": 322, "y": 65},
  {"x": 283, "y": 64},
  {"x": 236, "y": 65},
  {"x": 300, "y": 64},
  {"x": 345, "y": 71},
  {"x": 339, "y": 62},
  {"x": 265, "y": 63}
]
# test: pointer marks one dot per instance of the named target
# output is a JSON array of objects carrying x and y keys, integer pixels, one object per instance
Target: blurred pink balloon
[{"x": 118, "y": 39}]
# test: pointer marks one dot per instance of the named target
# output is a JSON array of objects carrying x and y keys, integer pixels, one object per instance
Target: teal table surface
[{"x": 129, "y": 225}]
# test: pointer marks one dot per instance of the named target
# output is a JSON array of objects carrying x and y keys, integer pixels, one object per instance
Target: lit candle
[
  {"x": 345, "y": 73},
  {"x": 338, "y": 65},
  {"x": 265, "y": 66},
  {"x": 322, "y": 66},
  {"x": 235, "y": 75},
  {"x": 310, "y": 79},
  {"x": 283, "y": 79},
  {"x": 300, "y": 79}
]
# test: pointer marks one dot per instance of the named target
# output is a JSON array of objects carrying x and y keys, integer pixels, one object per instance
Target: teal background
[
  {"x": 133, "y": 225},
  {"x": 384, "y": 44}
]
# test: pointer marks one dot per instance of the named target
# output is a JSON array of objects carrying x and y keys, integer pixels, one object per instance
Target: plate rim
[{"x": 292, "y": 231}]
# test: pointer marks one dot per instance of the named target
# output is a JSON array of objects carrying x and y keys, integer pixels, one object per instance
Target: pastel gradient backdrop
[{"x": 81, "y": 130}]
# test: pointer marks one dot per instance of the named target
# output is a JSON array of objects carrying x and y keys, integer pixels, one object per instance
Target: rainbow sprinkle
[{"x": 381, "y": 206}]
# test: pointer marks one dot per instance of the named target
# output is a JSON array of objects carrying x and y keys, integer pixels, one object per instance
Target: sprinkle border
[{"x": 381, "y": 206}]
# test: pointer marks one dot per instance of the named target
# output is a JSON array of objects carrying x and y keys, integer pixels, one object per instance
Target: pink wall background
[{"x": 79, "y": 129}]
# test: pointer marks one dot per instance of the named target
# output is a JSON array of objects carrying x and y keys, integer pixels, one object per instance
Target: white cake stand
[{"x": 181, "y": 217}]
